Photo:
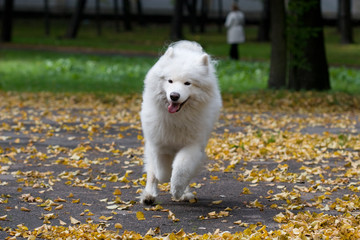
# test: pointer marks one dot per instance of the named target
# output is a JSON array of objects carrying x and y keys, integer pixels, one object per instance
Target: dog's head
[{"x": 187, "y": 79}]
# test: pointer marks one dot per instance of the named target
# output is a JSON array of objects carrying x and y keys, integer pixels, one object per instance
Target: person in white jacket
[{"x": 235, "y": 33}]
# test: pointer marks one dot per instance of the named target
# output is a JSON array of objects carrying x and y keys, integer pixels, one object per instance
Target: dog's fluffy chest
[{"x": 175, "y": 130}]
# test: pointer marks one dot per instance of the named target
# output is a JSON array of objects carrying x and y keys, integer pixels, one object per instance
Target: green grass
[
  {"x": 26, "y": 70},
  {"x": 41, "y": 71},
  {"x": 152, "y": 38},
  {"x": 35, "y": 71}
]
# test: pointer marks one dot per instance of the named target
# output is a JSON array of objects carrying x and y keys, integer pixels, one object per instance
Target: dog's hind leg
[{"x": 187, "y": 164}]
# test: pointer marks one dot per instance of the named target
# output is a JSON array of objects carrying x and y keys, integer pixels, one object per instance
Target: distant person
[{"x": 235, "y": 34}]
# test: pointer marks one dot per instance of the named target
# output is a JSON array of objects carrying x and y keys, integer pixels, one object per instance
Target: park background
[
  {"x": 283, "y": 160},
  {"x": 144, "y": 28}
]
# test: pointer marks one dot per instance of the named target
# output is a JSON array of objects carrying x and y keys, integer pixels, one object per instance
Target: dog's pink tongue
[{"x": 173, "y": 107}]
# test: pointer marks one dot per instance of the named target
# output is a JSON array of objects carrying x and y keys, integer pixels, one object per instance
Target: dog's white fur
[{"x": 175, "y": 138}]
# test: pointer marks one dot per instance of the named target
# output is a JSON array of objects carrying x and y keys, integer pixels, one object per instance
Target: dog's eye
[
  {"x": 170, "y": 81},
  {"x": 187, "y": 83}
]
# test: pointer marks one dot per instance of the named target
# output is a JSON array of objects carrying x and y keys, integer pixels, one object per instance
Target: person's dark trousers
[{"x": 234, "y": 54}]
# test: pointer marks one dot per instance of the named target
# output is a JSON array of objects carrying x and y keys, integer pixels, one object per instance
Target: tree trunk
[
  {"x": 220, "y": 16},
  {"x": 76, "y": 19},
  {"x": 98, "y": 17},
  {"x": 191, "y": 8},
  {"x": 308, "y": 68},
  {"x": 338, "y": 14},
  {"x": 177, "y": 21},
  {"x": 116, "y": 15},
  {"x": 47, "y": 17},
  {"x": 203, "y": 15},
  {"x": 345, "y": 21},
  {"x": 140, "y": 15},
  {"x": 277, "y": 78},
  {"x": 6, "y": 33},
  {"x": 127, "y": 15},
  {"x": 264, "y": 26}
]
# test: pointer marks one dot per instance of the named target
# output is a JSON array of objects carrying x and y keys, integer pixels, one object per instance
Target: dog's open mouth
[{"x": 175, "y": 107}]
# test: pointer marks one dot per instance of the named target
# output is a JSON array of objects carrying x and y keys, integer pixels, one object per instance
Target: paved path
[{"x": 65, "y": 158}]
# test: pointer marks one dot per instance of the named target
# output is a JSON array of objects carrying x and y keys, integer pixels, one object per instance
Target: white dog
[{"x": 181, "y": 103}]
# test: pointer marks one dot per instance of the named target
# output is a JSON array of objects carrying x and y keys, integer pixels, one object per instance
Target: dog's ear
[
  {"x": 169, "y": 52},
  {"x": 204, "y": 60}
]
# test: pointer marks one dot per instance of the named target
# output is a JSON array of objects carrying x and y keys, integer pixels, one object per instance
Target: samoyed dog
[{"x": 181, "y": 103}]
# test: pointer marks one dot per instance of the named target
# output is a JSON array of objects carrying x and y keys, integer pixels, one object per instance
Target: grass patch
[
  {"x": 37, "y": 71},
  {"x": 235, "y": 77},
  {"x": 152, "y": 38},
  {"x": 40, "y": 71}
]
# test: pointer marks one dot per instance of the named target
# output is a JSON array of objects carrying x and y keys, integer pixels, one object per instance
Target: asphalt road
[{"x": 64, "y": 159}]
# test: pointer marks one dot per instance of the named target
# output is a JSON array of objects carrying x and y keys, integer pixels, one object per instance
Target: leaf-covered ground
[{"x": 281, "y": 166}]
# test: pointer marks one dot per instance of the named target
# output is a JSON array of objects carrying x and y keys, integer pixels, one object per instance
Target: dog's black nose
[{"x": 174, "y": 96}]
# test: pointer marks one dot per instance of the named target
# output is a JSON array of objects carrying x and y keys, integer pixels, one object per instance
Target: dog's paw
[
  {"x": 177, "y": 193},
  {"x": 187, "y": 197},
  {"x": 184, "y": 195},
  {"x": 147, "y": 199}
]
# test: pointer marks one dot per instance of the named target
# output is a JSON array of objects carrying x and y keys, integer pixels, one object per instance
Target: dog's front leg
[
  {"x": 150, "y": 192},
  {"x": 187, "y": 163}
]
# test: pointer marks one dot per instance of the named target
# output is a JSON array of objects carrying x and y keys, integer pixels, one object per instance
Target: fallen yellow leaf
[
  {"x": 25, "y": 209},
  {"x": 118, "y": 226},
  {"x": 62, "y": 223},
  {"x": 74, "y": 221},
  {"x": 140, "y": 216},
  {"x": 105, "y": 218},
  {"x": 216, "y": 202},
  {"x": 117, "y": 192},
  {"x": 59, "y": 207}
]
